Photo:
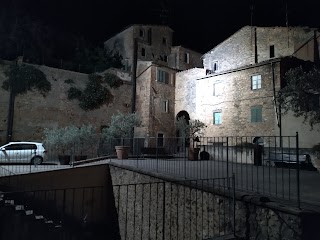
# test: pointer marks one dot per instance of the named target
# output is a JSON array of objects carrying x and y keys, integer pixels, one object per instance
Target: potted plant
[
  {"x": 61, "y": 140},
  {"x": 84, "y": 141},
  {"x": 192, "y": 130},
  {"x": 120, "y": 128}
]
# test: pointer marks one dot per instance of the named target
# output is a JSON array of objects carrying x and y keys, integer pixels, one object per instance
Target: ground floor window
[
  {"x": 217, "y": 118},
  {"x": 256, "y": 114}
]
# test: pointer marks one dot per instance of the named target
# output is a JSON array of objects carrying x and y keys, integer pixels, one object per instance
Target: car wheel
[{"x": 36, "y": 160}]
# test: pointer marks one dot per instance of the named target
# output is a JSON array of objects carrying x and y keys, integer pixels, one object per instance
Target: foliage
[
  {"x": 60, "y": 138},
  {"x": 93, "y": 96},
  {"x": 301, "y": 94},
  {"x": 112, "y": 80},
  {"x": 96, "y": 59},
  {"x": 121, "y": 126},
  {"x": 74, "y": 93},
  {"x": 69, "y": 137},
  {"x": 24, "y": 78},
  {"x": 316, "y": 150},
  {"x": 69, "y": 81},
  {"x": 193, "y": 129}
]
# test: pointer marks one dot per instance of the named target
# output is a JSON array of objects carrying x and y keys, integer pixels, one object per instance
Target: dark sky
[{"x": 198, "y": 24}]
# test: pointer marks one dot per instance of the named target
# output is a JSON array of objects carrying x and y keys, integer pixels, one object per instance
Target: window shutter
[{"x": 166, "y": 77}]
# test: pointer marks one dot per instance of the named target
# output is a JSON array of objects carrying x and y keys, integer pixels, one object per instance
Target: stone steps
[{"x": 18, "y": 222}]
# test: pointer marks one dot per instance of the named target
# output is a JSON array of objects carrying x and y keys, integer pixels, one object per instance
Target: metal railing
[
  {"x": 191, "y": 209},
  {"x": 272, "y": 166},
  {"x": 266, "y": 165}
]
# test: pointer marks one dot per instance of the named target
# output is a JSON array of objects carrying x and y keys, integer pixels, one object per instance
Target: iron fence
[
  {"x": 267, "y": 165},
  {"x": 191, "y": 209}
]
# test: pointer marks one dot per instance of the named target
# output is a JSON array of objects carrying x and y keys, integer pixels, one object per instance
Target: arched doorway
[
  {"x": 185, "y": 115},
  {"x": 258, "y": 151}
]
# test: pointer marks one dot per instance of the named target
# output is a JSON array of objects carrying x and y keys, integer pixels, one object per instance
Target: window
[
  {"x": 217, "y": 89},
  {"x": 160, "y": 140},
  {"x": 143, "y": 52},
  {"x": 163, "y": 76},
  {"x": 164, "y": 41},
  {"x": 217, "y": 118},
  {"x": 271, "y": 51},
  {"x": 256, "y": 114},
  {"x": 141, "y": 32},
  {"x": 165, "y": 58},
  {"x": 13, "y": 147},
  {"x": 214, "y": 66},
  {"x": 255, "y": 82},
  {"x": 186, "y": 57},
  {"x": 165, "y": 106}
]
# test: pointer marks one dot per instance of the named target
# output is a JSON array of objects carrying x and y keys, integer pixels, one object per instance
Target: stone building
[
  {"x": 154, "y": 43},
  {"x": 157, "y": 63},
  {"x": 235, "y": 93},
  {"x": 155, "y": 100}
]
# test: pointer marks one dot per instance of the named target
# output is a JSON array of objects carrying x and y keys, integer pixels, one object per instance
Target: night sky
[{"x": 198, "y": 24}]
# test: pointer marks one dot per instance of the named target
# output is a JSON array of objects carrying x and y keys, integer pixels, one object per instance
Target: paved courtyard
[{"x": 280, "y": 183}]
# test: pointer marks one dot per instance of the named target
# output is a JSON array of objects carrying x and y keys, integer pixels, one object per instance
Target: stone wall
[
  {"x": 123, "y": 42},
  {"x": 239, "y": 49},
  {"x": 236, "y": 51},
  {"x": 235, "y": 100},
  {"x": 154, "y": 207},
  {"x": 185, "y": 91},
  {"x": 178, "y": 54},
  {"x": 33, "y": 112},
  {"x": 150, "y": 96}
]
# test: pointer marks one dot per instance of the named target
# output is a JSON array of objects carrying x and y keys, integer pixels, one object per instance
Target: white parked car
[{"x": 22, "y": 152}]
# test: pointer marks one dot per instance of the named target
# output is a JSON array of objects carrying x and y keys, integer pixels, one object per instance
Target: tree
[
  {"x": 96, "y": 59},
  {"x": 301, "y": 94},
  {"x": 192, "y": 129}
]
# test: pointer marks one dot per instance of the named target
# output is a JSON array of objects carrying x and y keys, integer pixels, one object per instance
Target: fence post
[
  {"x": 164, "y": 210},
  {"x": 228, "y": 163},
  {"x": 298, "y": 169},
  {"x": 234, "y": 201}
]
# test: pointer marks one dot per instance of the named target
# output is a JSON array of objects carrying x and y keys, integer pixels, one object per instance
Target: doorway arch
[{"x": 186, "y": 116}]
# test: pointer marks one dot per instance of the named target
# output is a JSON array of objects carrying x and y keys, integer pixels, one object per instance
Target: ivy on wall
[
  {"x": 95, "y": 93},
  {"x": 24, "y": 78}
]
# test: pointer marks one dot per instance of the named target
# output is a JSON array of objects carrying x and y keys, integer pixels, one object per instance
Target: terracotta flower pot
[
  {"x": 193, "y": 153},
  {"x": 122, "y": 152},
  {"x": 64, "y": 159}
]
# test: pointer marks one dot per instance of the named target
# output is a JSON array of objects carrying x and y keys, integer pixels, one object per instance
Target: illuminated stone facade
[{"x": 235, "y": 93}]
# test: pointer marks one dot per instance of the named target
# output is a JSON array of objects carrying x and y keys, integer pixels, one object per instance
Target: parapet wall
[{"x": 153, "y": 205}]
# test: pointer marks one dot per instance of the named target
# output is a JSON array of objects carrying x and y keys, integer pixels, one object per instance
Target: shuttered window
[
  {"x": 163, "y": 76},
  {"x": 256, "y": 114}
]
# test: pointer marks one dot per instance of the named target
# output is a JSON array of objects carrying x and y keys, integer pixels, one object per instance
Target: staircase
[{"x": 17, "y": 222}]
